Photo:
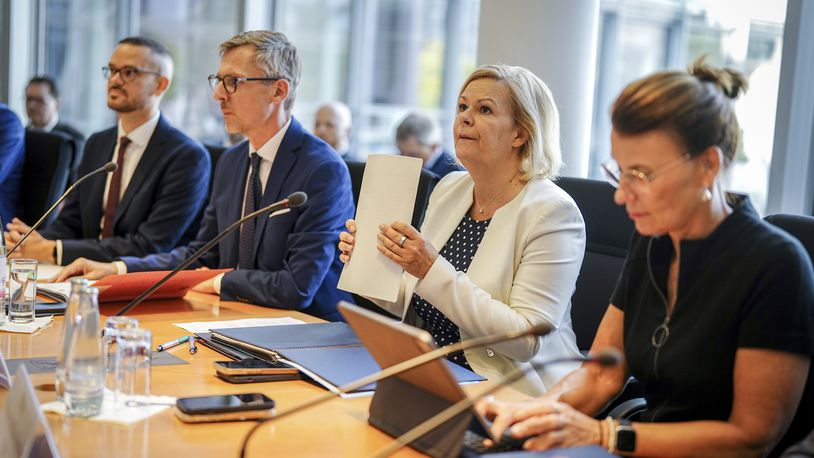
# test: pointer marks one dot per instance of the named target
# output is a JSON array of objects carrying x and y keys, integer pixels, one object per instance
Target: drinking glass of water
[
  {"x": 133, "y": 361},
  {"x": 22, "y": 290},
  {"x": 113, "y": 326}
]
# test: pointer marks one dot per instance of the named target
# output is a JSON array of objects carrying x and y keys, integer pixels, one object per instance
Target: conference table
[{"x": 336, "y": 428}]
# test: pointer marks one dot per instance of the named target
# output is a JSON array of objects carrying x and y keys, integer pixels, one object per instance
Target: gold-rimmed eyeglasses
[
  {"x": 634, "y": 178},
  {"x": 127, "y": 73},
  {"x": 230, "y": 82}
]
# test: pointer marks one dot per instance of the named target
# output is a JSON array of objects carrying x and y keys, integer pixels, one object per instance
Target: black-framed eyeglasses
[
  {"x": 128, "y": 73},
  {"x": 637, "y": 179},
  {"x": 230, "y": 82}
]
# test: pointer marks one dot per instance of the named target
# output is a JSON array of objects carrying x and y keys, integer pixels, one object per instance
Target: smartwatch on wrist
[{"x": 625, "y": 436}]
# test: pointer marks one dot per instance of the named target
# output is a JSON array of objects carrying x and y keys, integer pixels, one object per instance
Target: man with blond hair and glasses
[
  {"x": 288, "y": 261},
  {"x": 153, "y": 201}
]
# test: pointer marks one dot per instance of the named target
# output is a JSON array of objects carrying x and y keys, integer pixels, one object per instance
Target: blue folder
[{"x": 329, "y": 353}]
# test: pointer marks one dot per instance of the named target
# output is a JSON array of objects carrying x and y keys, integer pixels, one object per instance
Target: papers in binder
[{"x": 388, "y": 193}]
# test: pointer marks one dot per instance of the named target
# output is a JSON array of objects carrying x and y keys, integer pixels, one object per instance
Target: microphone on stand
[
  {"x": 537, "y": 330},
  {"x": 294, "y": 200},
  {"x": 107, "y": 168},
  {"x": 608, "y": 357}
]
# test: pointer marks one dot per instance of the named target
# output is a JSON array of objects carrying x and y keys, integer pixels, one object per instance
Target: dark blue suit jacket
[
  {"x": 297, "y": 262},
  {"x": 161, "y": 206},
  {"x": 444, "y": 165},
  {"x": 12, "y": 158}
]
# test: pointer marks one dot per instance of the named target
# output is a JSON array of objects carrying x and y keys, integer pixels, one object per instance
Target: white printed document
[{"x": 388, "y": 193}]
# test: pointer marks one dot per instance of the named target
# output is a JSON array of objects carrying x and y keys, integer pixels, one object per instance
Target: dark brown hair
[{"x": 695, "y": 106}]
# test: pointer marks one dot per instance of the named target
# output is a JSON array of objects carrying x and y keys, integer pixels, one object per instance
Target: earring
[{"x": 707, "y": 195}]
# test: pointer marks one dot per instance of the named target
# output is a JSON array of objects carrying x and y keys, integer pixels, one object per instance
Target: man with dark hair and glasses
[
  {"x": 153, "y": 201},
  {"x": 290, "y": 260},
  {"x": 42, "y": 105}
]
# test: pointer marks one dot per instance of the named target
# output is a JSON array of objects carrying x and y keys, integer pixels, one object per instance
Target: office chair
[
  {"x": 799, "y": 226},
  {"x": 608, "y": 231},
  {"x": 48, "y": 159},
  {"x": 215, "y": 152}
]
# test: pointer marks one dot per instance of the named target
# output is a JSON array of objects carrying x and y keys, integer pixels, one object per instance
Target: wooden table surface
[{"x": 336, "y": 428}]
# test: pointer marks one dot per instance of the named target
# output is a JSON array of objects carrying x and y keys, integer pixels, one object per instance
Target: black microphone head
[
  {"x": 608, "y": 357},
  {"x": 111, "y": 167},
  {"x": 296, "y": 199}
]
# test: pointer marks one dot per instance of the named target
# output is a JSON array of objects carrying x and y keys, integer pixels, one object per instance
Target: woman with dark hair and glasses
[{"x": 714, "y": 309}]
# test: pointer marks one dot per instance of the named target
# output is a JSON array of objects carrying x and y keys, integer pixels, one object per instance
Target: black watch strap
[{"x": 625, "y": 436}]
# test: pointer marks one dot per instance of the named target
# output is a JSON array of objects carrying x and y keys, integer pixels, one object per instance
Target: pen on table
[
  {"x": 192, "y": 348},
  {"x": 172, "y": 343}
]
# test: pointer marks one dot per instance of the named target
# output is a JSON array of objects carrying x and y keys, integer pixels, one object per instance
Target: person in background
[
  {"x": 12, "y": 158},
  {"x": 42, "y": 105},
  {"x": 288, "y": 261},
  {"x": 333, "y": 124},
  {"x": 511, "y": 241},
  {"x": 153, "y": 201},
  {"x": 714, "y": 309},
  {"x": 418, "y": 136}
]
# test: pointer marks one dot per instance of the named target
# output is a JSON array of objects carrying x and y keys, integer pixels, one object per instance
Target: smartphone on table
[
  {"x": 229, "y": 407},
  {"x": 251, "y": 366}
]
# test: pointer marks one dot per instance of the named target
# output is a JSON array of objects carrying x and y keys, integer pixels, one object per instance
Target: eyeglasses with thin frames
[
  {"x": 230, "y": 82},
  {"x": 637, "y": 179},
  {"x": 128, "y": 73}
]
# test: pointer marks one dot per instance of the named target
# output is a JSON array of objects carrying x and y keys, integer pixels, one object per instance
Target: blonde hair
[
  {"x": 535, "y": 114},
  {"x": 696, "y": 106}
]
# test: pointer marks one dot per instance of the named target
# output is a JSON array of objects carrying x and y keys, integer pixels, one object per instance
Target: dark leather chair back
[
  {"x": 608, "y": 231},
  {"x": 426, "y": 183},
  {"x": 215, "y": 152},
  {"x": 800, "y": 226},
  {"x": 48, "y": 159}
]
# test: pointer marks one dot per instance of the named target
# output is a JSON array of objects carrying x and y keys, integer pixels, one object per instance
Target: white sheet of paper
[
  {"x": 205, "y": 326},
  {"x": 119, "y": 413},
  {"x": 388, "y": 192},
  {"x": 46, "y": 271},
  {"x": 27, "y": 328}
]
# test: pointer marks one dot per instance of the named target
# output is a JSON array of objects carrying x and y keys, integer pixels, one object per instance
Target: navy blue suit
[
  {"x": 444, "y": 165},
  {"x": 160, "y": 208},
  {"x": 297, "y": 262},
  {"x": 12, "y": 157}
]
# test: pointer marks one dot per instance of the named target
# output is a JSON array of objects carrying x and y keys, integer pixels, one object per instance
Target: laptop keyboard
[{"x": 474, "y": 442}]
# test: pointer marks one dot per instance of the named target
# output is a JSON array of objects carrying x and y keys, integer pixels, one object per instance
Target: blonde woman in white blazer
[{"x": 528, "y": 235}]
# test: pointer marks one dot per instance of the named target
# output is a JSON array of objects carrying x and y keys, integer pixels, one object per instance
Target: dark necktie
[
  {"x": 252, "y": 202},
  {"x": 114, "y": 190}
]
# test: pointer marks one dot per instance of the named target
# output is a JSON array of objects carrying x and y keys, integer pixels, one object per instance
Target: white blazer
[{"x": 523, "y": 273}]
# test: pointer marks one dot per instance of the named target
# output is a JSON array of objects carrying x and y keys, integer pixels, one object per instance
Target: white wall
[{"x": 557, "y": 40}]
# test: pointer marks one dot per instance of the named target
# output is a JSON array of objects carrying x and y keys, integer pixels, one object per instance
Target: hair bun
[{"x": 731, "y": 82}]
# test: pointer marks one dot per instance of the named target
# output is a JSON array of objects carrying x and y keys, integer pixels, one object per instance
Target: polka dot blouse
[{"x": 458, "y": 251}]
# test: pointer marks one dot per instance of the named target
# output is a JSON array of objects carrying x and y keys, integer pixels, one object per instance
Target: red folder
[{"x": 126, "y": 287}]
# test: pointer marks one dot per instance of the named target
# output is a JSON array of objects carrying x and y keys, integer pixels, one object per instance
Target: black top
[
  {"x": 459, "y": 251},
  {"x": 748, "y": 284}
]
